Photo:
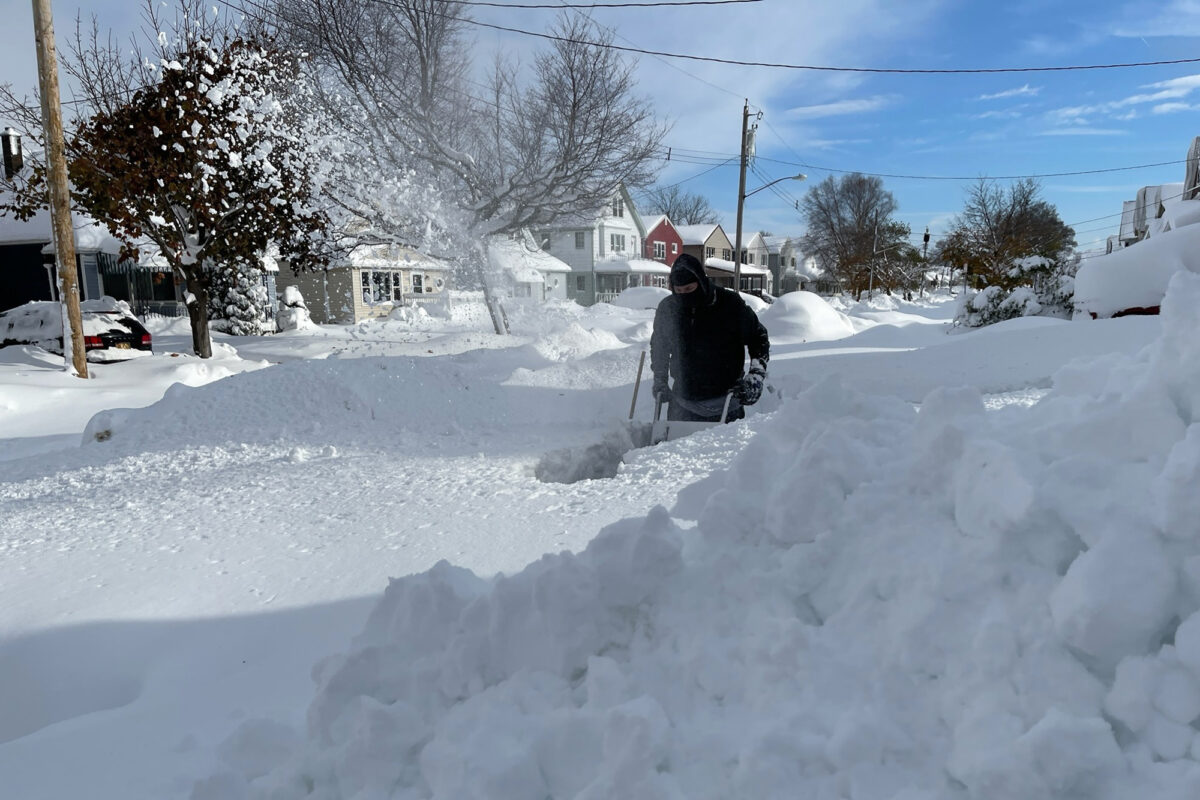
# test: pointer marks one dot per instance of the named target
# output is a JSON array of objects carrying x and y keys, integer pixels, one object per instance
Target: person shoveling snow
[{"x": 702, "y": 334}]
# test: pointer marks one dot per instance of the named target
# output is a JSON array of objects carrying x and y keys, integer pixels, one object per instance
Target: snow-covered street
[{"x": 829, "y": 597}]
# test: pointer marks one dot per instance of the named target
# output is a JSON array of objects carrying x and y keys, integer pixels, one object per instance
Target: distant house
[
  {"x": 663, "y": 242},
  {"x": 708, "y": 242},
  {"x": 617, "y": 274},
  {"x": 524, "y": 271},
  {"x": 781, "y": 257},
  {"x": 754, "y": 279},
  {"x": 370, "y": 281},
  {"x": 755, "y": 251},
  {"x": 595, "y": 245}
]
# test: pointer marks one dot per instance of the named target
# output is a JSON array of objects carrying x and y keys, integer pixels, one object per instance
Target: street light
[{"x": 742, "y": 195}]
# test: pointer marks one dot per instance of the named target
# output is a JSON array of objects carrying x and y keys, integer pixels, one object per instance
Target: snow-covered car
[{"x": 110, "y": 331}]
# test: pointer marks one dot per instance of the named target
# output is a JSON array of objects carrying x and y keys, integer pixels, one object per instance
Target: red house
[{"x": 663, "y": 243}]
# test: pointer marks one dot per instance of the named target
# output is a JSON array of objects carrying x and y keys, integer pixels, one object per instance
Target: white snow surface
[
  {"x": 1137, "y": 276},
  {"x": 924, "y": 567}
]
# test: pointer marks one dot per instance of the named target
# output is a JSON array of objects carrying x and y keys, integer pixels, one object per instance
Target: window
[
  {"x": 579, "y": 240},
  {"x": 660, "y": 249},
  {"x": 418, "y": 283},
  {"x": 709, "y": 252},
  {"x": 725, "y": 253},
  {"x": 793, "y": 262},
  {"x": 580, "y": 283},
  {"x": 382, "y": 286},
  {"x": 674, "y": 248},
  {"x": 616, "y": 242},
  {"x": 762, "y": 260},
  {"x": 618, "y": 207}
]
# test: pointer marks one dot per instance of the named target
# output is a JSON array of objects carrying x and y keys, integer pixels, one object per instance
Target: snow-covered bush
[
  {"x": 237, "y": 301},
  {"x": 1045, "y": 288},
  {"x": 293, "y": 312}
]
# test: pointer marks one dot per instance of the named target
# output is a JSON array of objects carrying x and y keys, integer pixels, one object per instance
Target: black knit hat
[{"x": 686, "y": 269}]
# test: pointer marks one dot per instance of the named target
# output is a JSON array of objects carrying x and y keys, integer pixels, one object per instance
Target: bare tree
[
  {"x": 1000, "y": 226},
  {"x": 682, "y": 207},
  {"x": 851, "y": 231},
  {"x": 445, "y": 163}
]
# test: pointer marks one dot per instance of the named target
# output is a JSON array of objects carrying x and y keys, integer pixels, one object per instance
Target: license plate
[{"x": 122, "y": 345}]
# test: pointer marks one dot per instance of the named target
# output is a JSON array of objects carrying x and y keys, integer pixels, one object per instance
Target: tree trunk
[{"x": 197, "y": 307}]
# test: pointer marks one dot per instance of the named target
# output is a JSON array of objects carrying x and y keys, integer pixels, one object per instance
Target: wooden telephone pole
[
  {"x": 60, "y": 196},
  {"x": 741, "y": 201}
]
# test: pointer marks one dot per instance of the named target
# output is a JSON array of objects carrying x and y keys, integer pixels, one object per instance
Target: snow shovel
[{"x": 665, "y": 430}]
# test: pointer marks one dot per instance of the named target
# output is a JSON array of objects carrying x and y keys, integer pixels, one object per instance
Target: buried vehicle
[{"x": 110, "y": 331}]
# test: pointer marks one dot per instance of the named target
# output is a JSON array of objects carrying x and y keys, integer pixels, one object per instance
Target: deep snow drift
[
  {"x": 849, "y": 610},
  {"x": 875, "y": 602}
]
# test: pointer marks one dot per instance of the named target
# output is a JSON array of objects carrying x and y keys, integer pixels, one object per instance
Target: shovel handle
[
  {"x": 637, "y": 384},
  {"x": 725, "y": 410}
]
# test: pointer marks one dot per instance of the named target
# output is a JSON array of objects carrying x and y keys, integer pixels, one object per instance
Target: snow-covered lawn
[{"x": 930, "y": 564}]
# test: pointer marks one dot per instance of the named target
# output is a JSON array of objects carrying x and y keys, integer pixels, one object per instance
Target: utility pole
[
  {"x": 741, "y": 200},
  {"x": 60, "y": 196}
]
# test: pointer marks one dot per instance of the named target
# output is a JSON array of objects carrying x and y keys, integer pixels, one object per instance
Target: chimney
[{"x": 13, "y": 158}]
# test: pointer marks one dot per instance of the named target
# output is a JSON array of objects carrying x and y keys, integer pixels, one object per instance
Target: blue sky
[{"x": 918, "y": 125}]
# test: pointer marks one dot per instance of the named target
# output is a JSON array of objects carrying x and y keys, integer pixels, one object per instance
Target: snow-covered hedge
[{"x": 1045, "y": 288}]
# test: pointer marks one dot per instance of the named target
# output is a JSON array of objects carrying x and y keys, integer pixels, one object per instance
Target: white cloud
[
  {"x": 1082, "y": 130},
  {"x": 841, "y": 107},
  {"x": 1020, "y": 91},
  {"x": 1172, "y": 108},
  {"x": 1009, "y": 114},
  {"x": 1168, "y": 90}
]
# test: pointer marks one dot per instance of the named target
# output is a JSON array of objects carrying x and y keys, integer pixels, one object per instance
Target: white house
[
  {"x": 611, "y": 234},
  {"x": 525, "y": 272}
]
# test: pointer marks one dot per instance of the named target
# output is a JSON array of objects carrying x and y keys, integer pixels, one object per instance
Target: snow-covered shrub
[
  {"x": 1044, "y": 288},
  {"x": 237, "y": 301},
  {"x": 293, "y": 312}
]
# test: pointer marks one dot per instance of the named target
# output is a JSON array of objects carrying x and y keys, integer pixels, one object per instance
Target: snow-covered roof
[
  {"x": 522, "y": 263},
  {"x": 776, "y": 243},
  {"x": 696, "y": 234},
  {"x": 728, "y": 266},
  {"x": 639, "y": 266},
  {"x": 659, "y": 220},
  {"x": 390, "y": 256}
]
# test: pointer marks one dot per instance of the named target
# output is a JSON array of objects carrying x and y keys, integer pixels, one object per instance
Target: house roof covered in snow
[
  {"x": 638, "y": 266},
  {"x": 696, "y": 234},
  {"x": 728, "y": 266},
  {"x": 522, "y": 262}
]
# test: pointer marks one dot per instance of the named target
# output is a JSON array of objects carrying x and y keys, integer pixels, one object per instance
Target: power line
[{"x": 814, "y": 67}]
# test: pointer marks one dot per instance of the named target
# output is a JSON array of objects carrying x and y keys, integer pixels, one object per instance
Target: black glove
[
  {"x": 749, "y": 389},
  {"x": 662, "y": 393}
]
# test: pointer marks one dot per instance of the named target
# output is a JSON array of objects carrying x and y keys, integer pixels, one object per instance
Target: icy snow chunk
[
  {"x": 1177, "y": 695},
  {"x": 1168, "y": 739},
  {"x": 1075, "y": 756},
  {"x": 991, "y": 492},
  {"x": 258, "y": 747},
  {"x": 1116, "y": 599},
  {"x": 1176, "y": 488},
  {"x": 1129, "y": 698},
  {"x": 1187, "y": 643}
]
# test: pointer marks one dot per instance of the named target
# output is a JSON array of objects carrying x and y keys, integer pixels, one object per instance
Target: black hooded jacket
[{"x": 703, "y": 344}]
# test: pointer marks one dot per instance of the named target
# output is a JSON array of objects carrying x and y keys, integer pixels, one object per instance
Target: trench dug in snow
[{"x": 593, "y": 461}]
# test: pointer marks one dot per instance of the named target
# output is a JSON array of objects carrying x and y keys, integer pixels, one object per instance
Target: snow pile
[
  {"x": 804, "y": 317},
  {"x": 575, "y": 342},
  {"x": 1136, "y": 276},
  {"x": 293, "y": 311},
  {"x": 641, "y": 297},
  {"x": 874, "y": 603}
]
